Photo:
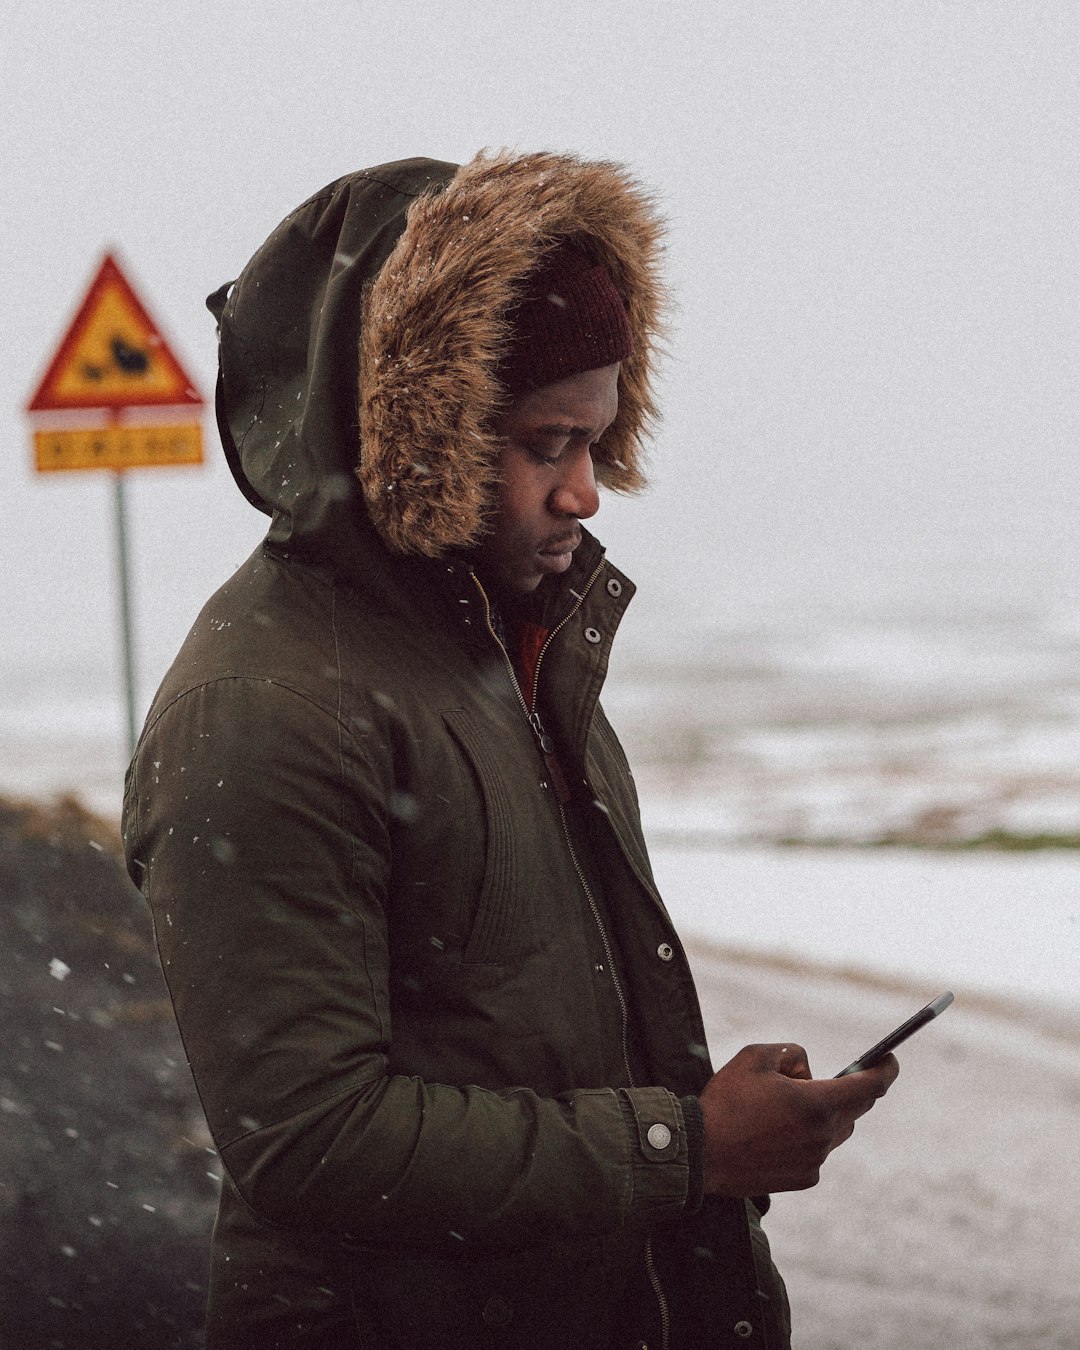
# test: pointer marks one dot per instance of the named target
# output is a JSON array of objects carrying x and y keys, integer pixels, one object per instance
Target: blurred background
[{"x": 849, "y": 683}]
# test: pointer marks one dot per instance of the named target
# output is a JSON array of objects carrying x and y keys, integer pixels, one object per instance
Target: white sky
[{"x": 873, "y": 387}]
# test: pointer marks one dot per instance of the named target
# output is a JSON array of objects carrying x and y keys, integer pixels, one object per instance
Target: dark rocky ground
[{"x": 107, "y": 1184}]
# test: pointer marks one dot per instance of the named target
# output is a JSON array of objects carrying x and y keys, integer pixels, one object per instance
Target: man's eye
[{"x": 546, "y": 456}]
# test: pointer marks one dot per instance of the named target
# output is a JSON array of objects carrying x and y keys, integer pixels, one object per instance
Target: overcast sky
[{"x": 872, "y": 391}]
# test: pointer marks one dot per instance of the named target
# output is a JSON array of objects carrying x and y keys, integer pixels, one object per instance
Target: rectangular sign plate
[{"x": 118, "y": 447}]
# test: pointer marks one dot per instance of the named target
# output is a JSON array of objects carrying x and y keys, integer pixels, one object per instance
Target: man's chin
[{"x": 526, "y": 577}]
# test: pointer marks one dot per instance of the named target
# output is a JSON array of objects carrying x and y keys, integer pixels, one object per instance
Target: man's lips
[
  {"x": 556, "y": 556},
  {"x": 560, "y": 546}
]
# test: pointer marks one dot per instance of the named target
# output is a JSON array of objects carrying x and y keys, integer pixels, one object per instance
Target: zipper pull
[
  {"x": 543, "y": 740},
  {"x": 551, "y": 762}
]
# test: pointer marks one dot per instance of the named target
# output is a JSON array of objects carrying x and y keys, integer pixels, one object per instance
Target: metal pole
[{"x": 127, "y": 644}]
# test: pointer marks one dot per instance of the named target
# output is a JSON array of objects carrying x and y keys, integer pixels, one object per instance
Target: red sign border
[{"x": 44, "y": 400}]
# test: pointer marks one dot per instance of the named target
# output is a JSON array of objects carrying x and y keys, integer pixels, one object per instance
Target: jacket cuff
[{"x": 659, "y": 1154}]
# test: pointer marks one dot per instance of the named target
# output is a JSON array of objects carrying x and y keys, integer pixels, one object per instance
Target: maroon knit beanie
[{"x": 570, "y": 318}]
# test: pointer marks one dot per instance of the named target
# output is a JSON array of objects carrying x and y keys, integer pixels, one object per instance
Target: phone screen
[{"x": 902, "y": 1032}]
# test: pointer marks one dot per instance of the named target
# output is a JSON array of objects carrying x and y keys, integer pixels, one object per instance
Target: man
[{"x": 444, "y": 1034}]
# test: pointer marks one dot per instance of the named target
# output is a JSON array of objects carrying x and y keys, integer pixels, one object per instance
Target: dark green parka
[{"x": 437, "y": 1016}]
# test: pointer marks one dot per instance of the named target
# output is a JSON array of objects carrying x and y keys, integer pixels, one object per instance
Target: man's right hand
[{"x": 769, "y": 1125}]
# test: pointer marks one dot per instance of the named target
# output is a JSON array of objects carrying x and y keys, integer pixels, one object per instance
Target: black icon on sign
[{"x": 127, "y": 359}]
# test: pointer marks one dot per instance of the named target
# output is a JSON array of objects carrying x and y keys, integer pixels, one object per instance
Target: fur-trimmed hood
[{"x": 358, "y": 348}]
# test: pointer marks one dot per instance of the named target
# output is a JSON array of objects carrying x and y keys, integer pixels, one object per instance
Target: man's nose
[{"x": 576, "y": 493}]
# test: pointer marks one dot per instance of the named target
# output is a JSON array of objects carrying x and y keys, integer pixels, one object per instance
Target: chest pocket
[{"x": 502, "y": 924}]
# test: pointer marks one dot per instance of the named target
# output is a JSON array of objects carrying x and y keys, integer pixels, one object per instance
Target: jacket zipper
[{"x": 546, "y": 747}]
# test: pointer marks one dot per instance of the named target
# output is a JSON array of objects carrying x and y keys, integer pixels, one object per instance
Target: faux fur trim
[{"x": 434, "y": 331}]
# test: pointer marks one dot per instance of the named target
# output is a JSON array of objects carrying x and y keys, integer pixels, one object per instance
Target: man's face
[{"x": 547, "y": 482}]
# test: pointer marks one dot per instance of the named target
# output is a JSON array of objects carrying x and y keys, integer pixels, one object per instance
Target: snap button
[
  {"x": 659, "y": 1136},
  {"x": 592, "y": 635},
  {"x": 743, "y": 1329},
  {"x": 497, "y": 1312},
  {"x": 614, "y": 587},
  {"x": 665, "y": 951}
]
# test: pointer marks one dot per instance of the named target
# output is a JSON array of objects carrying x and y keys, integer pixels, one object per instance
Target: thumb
[{"x": 857, "y": 1092}]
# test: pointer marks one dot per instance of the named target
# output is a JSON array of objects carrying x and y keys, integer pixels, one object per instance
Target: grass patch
[{"x": 988, "y": 841}]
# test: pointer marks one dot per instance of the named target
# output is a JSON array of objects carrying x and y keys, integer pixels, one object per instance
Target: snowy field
[
  {"x": 928, "y": 728},
  {"x": 1006, "y": 923}
]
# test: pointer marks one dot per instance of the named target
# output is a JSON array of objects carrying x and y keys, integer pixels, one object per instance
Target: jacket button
[
  {"x": 743, "y": 1330},
  {"x": 497, "y": 1312},
  {"x": 659, "y": 1136},
  {"x": 614, "y": 587},
  {"x": 592, "y": 635},
  {"x": 665, "y": 951}
]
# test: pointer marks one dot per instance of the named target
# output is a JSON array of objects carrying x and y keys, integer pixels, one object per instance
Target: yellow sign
[
  {"x": 113, "y": 355},
  {"x": 118, "y": 447},
  {"x": 113, "y": 358}
]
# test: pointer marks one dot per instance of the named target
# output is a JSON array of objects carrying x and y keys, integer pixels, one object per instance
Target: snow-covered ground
[
  {"x": 950, "y": 1216},
  {"x": 934, "y": 728},
  {"x": 980, "y": 921}
]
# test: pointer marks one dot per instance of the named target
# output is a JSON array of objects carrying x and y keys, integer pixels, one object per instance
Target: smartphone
[{"x": 902, "y": 1032}]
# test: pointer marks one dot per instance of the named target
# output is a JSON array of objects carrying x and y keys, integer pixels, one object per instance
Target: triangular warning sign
[{"x": 113, "y": 355}]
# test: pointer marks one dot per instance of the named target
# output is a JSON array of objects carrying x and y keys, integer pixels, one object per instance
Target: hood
[{"x": 357, "y": 349}]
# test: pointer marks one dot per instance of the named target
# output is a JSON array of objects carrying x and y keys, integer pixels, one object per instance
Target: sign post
[
  {"x": 127, "y": 640},
  {"x": 115, "y": 397}
]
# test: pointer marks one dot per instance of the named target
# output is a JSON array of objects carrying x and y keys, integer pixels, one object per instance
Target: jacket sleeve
[{"x": 265, "y": 854}]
